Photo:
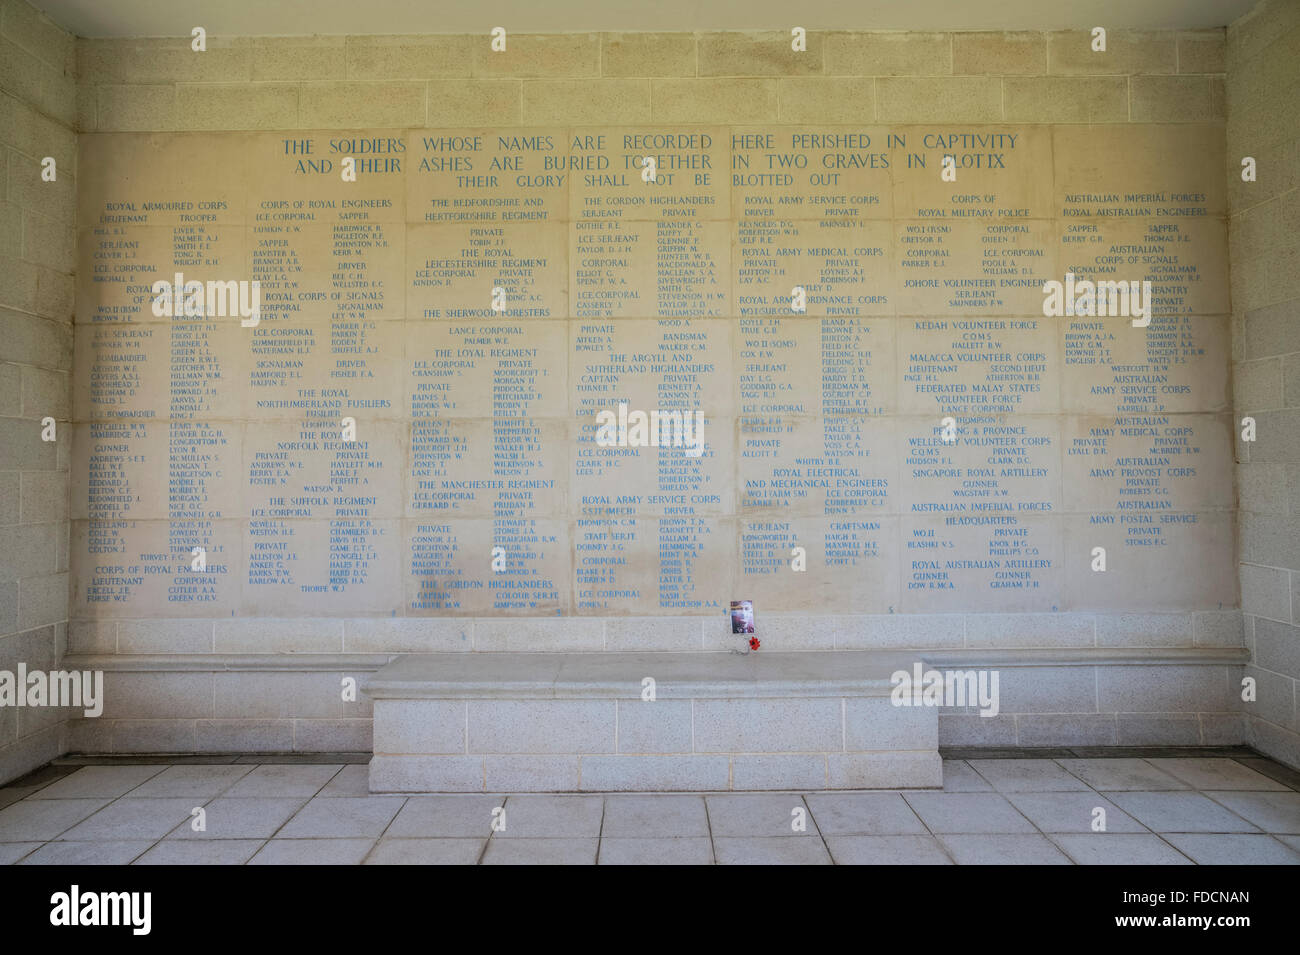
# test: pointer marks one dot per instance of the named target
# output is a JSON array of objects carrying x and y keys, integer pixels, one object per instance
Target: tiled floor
[{"x": 1157, "y": 810}]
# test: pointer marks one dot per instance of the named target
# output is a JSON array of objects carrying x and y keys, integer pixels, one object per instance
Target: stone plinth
[{"x": 556, "y": 722}]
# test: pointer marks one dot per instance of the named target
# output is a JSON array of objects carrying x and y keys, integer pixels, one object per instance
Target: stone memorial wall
[
  {"x": 857, "y": 413},
  {"x": 476, "y": 299}
]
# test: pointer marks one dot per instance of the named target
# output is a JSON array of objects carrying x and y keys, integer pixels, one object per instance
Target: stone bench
[{"x": 562, "y": 722}]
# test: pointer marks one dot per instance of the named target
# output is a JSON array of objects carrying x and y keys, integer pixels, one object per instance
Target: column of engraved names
[
  {"x": 325, "y": 440},
  {"x": 1147, "y": 460},
  {"x": 486, "y": 373},
  {"x": 152, "y": 500},
  {"x": 650, "y": 280},
  {"x": 812, "y": 277},
  {"x": 978, "y": 364}
]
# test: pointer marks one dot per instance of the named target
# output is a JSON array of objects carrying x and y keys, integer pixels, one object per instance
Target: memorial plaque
[{"x": 638, "y": 370}]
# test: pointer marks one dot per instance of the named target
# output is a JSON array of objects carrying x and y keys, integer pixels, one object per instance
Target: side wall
[
  {"x": 272, "y": 684},
  {"x": 1263, "y": 122},
  {"x": 37, "y": 252}
]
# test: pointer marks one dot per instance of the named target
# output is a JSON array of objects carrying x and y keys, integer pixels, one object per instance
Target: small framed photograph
[{"x": 742, "y": 616}]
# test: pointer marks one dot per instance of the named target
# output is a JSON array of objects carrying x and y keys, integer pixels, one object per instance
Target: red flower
[{"x": 753, "y": 643}]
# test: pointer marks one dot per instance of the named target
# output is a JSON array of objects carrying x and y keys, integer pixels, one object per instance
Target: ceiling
[{"x": 115, "y": 18}]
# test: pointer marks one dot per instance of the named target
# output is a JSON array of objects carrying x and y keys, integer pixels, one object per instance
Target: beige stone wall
[
  {"x": 1263, "y": 118},
  {"x": 455, "y": 81},
  {"x": 170, "y": 680},
  {"x": 37, "y": 239}
]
